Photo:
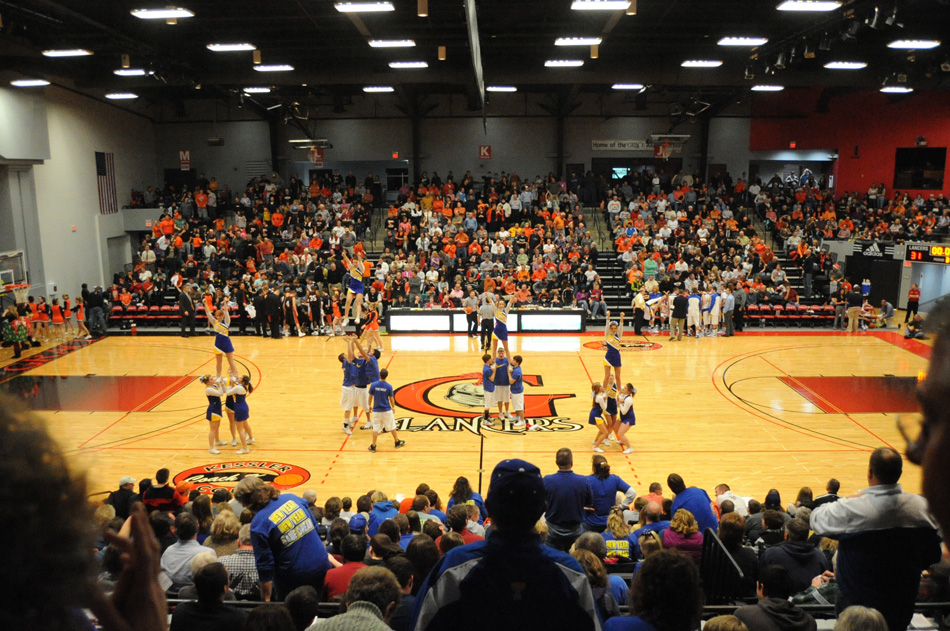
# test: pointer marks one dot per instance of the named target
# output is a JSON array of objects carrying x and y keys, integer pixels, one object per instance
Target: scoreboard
[{"x": 928, "y": 254}]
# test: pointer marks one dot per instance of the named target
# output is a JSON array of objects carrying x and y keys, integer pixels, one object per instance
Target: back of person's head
[
  {"x": 725, "y": 623},
  {"x": 450, "y": 540},
  {"x": 804, "y": 513},
  {"x": 378, "y": 496},
  {"x": 364, "y": 504},
  {"x": 415, "y": 524},
  {"x": 593, "y": 542},
  {"x": 353, "y": 548},
  {"x": 403, "y": 523},
  {"x": 666, "y": 592},
  {"x": 390, "y": 529},
  {"x": 457, "y": 517},
  {"x": 270, "y": 617},
  {"x": 650, "y": 543},
  {"x": 254, "y": 493},
  {"x": 383, "y": 547},
  {"x": 564, "y": 458},
  {"x": 423, "y": 554},
  {"x": 772, "y": 519},
  {"x": 726, "y": 507},
  {"x": 420, "y": 503},
  {"x": 186, "y": 526},
  {"x": 376, "y": 585},
  {"x": 402, "y": 568},
  {"x": 732, "y": 530},
  {"x": 656, "y": 487},
  {"x": 886, "y": 465},
  {"x": 652, "y": 512},
  {"x": 220, "y": 495},
  {"x": 796, "y": 530},
  {"x": 833, "y": 485},
  {"x": 773, "y": 500},
  {"x": 593, "y": 567},
  {"x": 434, "y": 500},
  {"x": 303, "y": 604},
  {"x": 754, "y": 506},
  {"x": 775, "y": 582},
  {"x": 210, "y": 582},
  {"x": 431, "y": 529},
  {"x": 676, "y": 483},
  {"x": 600, "y": 467},
  {"x": 858, "y": 618},
  {"x": 161, "y": 476},
  {"x": 347, "y": 503},
  {"x": 684, "y": 523},
  {"x": 516, "y": 496},
  {"x": 161, "y": 523},
  {"x": 46, "y": 579}
]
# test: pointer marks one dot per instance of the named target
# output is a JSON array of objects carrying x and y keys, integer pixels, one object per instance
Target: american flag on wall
[{"x": 105, "y": 177}]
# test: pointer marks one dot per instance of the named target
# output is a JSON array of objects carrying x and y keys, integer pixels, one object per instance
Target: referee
[
  {"x": 487, "y": 315},
  {"x": 470, "y": 305}
]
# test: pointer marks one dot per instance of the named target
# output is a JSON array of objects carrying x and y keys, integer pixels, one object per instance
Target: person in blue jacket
[
  {"x": 462, "y": 493},
  {"x": 510, "y": 580},
  {"x": 605, "y": 485},
  {"x": 383, "y": 509},
  {"x": 287, "y": 546},
  {"x": 693, "y": 499}
]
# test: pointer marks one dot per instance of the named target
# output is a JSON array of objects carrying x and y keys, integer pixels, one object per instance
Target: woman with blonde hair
[
  {"x": 725, "y": 623},
  {"x": 224, "y": 533},
  {"x": 683, "y": 535},
  {"x": 617, "y": 535}
]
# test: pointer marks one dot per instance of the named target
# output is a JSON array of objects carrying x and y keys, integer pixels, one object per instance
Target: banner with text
[{"x": 621, "y": 145}]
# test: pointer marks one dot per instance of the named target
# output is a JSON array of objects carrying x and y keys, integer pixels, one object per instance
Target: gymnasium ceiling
[{"x": 333, "y": 60}]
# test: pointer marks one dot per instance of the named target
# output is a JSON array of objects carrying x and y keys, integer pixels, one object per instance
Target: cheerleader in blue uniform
[
  {"x": 611, "y": 393},
  {"x": 500, "y": 332},
  {"x": 242, "y": 413},
  {"x": 354, "y": 289},
  {"x": 612, "y": 339},
  {"x": 627, "y": 417},
  {"x": 214, "y": 392},
  {"x": 226, "y": 383},
  {"x": 220, "y": 322},
  {"x": 596, "y": 416}
]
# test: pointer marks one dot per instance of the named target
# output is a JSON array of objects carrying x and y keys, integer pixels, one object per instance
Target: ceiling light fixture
[
  {"x": 442, "y": 53},
  {"x": 364, "y": 7},
  {"x": 129, "y": 72},
  {"x": 392, "y": 43},
  {"x": 809, "y": 50},
  {"x": 577, "y": 41},
  {"x": 896, "y": 89},
  {"x": 408, "y": 65},
  {"x": 501, "y": 88},
  {"x": 378, "y": 88},
  {"x": 767, "y": 88},
  {"x": 564, "y": 63},
  {"x": 825, "y": 43},
  {"x": 600, "y": 5},
  {"x": 422, "y": 8},
  {"x": 126, "y": 63},
  {"x": 256, "y": 56},
  {"x": 914, "y": 44},
  {"x": 29, "y": 83},
  {"x": 167, "y": 13},
  {"x": 122, "y": 96},
  {"x": 809, "y": 5},
  {"x": 701, "y": 63},
  {"x": 742, "y": 41},
  {"x": 594, "y": 51},
  {"x": 274, "y": 68},
  {"x": 230, "y": 48},
  {"x": 67, "y": 52},
  {"x": 257, "y": 90},
  {"x": 632, "y": 7},
  {"x": 845, "y": 65},
  {"x": 627, "y": 86},
  {"x": 780, "y": 61}
]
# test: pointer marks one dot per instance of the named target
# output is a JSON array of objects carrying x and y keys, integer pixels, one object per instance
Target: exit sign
[{"x": 395, "y": 155}]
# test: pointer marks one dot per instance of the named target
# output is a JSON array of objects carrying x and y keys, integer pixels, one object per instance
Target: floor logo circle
[
  {"x": 226, "y": 475},
  {"x": 625, "y": 347}
]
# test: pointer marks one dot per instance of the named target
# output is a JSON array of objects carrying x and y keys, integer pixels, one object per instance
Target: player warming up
[
  {"x": 348, "y": 392},
  {"x": 382, "y": 402},
  {"x": 516, "y": 390},
  {"x": 500, "y": 332},
  {"x": 220, "y": 322},
  {"x": 627, "y": 417},
  {"x": 354, "y": 291},
  {"x": 214, "y": 392},
  {"x": 612, "y": 339},
  {"x": 596, "y": 417},
  {"x": 488, "y": 387},
  {"x": 242, "y": 413}
]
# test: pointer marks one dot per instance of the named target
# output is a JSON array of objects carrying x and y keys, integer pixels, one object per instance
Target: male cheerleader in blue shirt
[{"x": 382, "y": 402}]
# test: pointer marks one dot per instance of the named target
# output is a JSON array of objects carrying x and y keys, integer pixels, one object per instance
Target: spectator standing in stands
[
  {"x": 123, "y": 498},
  {"x": 209, "y": 613},
  {"x": 186, "y": 309},
  {"x": 372, "y": 598},
  {"x": 96, "y": 306},
  {"x": 287, "y": 547},
  {"x": 510, "y": 580},
  {"x": 176, "y": 560},
  {"x": 568, "y": 497},
  {"x": 242, "y": 567},
  {"x": 665, "y": 596},
  {"x": 881, "y": 517},
  {"x": 801, "y": 558},
  {"x": 853, "y": 301},
  {"x": 774, "y": 612},
  {"x": 693, "y": 499}
]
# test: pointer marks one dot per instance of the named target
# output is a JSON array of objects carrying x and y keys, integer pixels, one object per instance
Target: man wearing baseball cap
[
  {"x": 528, "y": 585},
  {"x": 123, "y": 498}
]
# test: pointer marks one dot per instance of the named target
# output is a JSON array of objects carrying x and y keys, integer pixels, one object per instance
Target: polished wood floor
[{"x": 713, "y": 410}]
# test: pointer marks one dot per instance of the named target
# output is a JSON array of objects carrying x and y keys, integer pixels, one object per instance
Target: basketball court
[{"x": 761, "y": 410}]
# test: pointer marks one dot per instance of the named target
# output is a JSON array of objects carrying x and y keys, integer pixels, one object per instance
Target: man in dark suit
[
  {"x": 678, "y": 308},
  {"x": 260, "y": 313},
  {"x": 186, "y": 307},
  {"x": 272, "y": 307}
]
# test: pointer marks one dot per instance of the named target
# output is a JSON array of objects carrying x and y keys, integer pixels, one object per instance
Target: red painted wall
[{"x": 869, "y": 120}]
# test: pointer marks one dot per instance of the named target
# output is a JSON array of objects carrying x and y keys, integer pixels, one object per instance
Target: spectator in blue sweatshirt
[
  {"x": 693, "y": 499},
  {"x": 383, "y": 509}
]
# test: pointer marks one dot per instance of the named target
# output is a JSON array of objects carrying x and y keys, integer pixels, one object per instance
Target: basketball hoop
[{"x": 21, "y": 293}]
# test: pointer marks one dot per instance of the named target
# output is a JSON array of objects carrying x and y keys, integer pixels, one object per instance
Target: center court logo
[
  {"x": 625, "y": 347},
  {"x": 457, "y": 404},
  {"x": 226, "y": 475}
]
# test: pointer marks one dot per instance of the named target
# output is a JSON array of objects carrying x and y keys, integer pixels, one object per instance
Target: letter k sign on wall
[{"x": 484, "y": 152}]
